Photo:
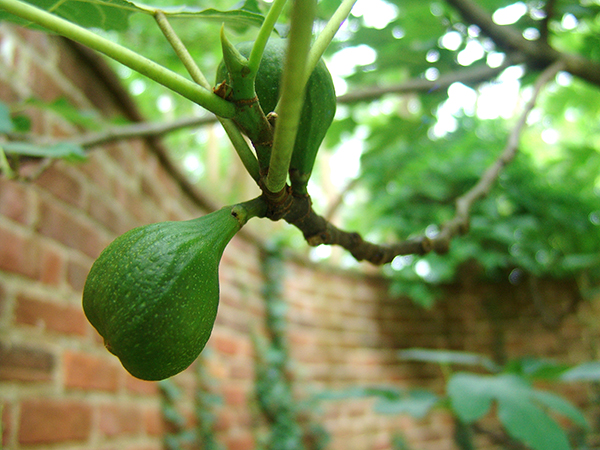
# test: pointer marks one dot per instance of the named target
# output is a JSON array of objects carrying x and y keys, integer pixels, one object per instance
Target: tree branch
[
  {"x": 157, "y": 129},
  {"x": 469, "y": 75},
  {"x": 297, "y": 210},
  {"x": 544, "y": 28},
  {"x": 460, "y": 223},
  {"x": 539, "y": 53}
]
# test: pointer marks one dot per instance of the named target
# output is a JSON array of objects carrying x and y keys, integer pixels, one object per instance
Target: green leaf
[
  {"x": 536, "y": 368},
  {"x": 528, "y": 423},
  {"x": 247, "y": 14},
  {"x": 519, "y": 407},
  {"x": 115, "y": 14},
  {"x": 6, "y": 123},
  {"x": 561, "y": 406},
  {"x": 469, "y": 396},
  {"x": 88, "y": 119},
  {"x": 589, "y": 371},
  {"x": 415, "y": 402},
  {"x": 104, "y": 14},
  {"x": 448, "y": 357},
  {"x": 65, "y": 150}
]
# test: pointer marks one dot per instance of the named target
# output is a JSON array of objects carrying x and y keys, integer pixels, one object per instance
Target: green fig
[
  {"x": 318, "y": 109},
  {"x": 153, "y": 293}
]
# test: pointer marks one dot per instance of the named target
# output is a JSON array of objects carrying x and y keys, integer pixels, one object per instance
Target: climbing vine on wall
[
  {"x": 290, "y": 424},
  {"x": 180, "y": 435}
]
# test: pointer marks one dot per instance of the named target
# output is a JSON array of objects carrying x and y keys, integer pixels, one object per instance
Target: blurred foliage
[
  {"x": 423, "y": 150},
  {"x": 419, "y": 151},
  {"x": 290, "y": 422},
  {"x": 527, "y": 414}
]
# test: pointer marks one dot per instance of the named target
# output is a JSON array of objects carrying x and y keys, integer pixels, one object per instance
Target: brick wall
[{"x": 59, "y": 388}]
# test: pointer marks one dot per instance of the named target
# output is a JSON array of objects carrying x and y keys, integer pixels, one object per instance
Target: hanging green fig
[
  {"x": 318, "y": 109},
  {"x": 153, "y": 293}
]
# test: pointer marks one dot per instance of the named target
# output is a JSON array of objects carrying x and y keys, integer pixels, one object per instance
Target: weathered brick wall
[{"x": 59, "y": 388}]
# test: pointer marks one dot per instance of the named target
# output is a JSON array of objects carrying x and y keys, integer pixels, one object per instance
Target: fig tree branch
[
  {"x": 539, "y": 53},
  {"x": 460, "y": 223},
  {"x": 123, "y": 55},
  {"x": 544, "y": 27},
  {"x": 317, "y": 230},
  {"x": 471, "y": 75},
  {"x": 156, "y": 129}
]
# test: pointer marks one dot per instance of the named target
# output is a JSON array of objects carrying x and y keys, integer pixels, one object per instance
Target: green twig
[
  {"x": 123, "y": 55},
  {"x": 326, "y": 36},
  {"x": 239, "y": 144},
  {"x": 5, "y": 166},
  {"x": 292, "y": 93},
  {"x": 181, "y": 50},
  {"x": 241, "y": 147},
  {"x": 264, "y": 33},
  {"x": 257, "y": 207}
]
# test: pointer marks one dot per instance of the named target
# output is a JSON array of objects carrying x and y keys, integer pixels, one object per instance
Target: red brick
[
  {"x": 18, "y": 254},
  {"x": 52, "y": 266},
  {"x": 102, "y": 209},
  {"x": 62, "y": 184},
  {"x": 138, "y": 386},
  {"x": 65, "y": 319},
  {"x": 226, "y": 344},
  {"x": 65, "y": 227},
  {"x": 3, "y": 300},
  {"x": 116, "y": 420},
  {"x": 153, "y": 422},
  {"x": 77, "y": 271},
  {"x": 225, "y": 419},
  {"x": 49, "y": 420},
  {"x": 234, "y": 395},
  {"x": 84, "y": 371},
  {"x": 19, "y": 363},
  {"x": 16, "y": 202},
  {"x": 155, "y": 446},
  {"x": 242, "y": 441},
  {"x": 6, "y": 424}
]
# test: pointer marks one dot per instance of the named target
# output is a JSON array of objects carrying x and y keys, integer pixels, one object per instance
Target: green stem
[
  {"x": 127, "y": 57},
  {"x": 326, "y": 36},
  {"x": 239, "y": 143},
  {"x": 257, "y": 207},
  {"x": 292, "y": 93},
  {"x": 241, "y": 147},
  {"x": 5, "y": 166},
  {"x": 181, "y": 50},
  {"x": 263, "y": 34}
]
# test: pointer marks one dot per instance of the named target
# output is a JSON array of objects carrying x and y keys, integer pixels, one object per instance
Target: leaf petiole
[
  {"x": 289, "y": 106},
  {"x": 240, "y": 145},
  {"x": 127, "y": 57},
  {"x": 263, "y": 34},
  {"x": 326, "y": 36}
]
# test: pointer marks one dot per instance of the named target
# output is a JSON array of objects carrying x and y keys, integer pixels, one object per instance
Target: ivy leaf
[
  {"x": 65, "y": 150},
  {"x": 469, "y": 396},
  {"x": 115, "y": 14},
  {"x": 519, "y": 407},
  {"x": 104, "y": 14},
  {"x": 415, "y": 402},
  {"x": 6, "y": 123},
  {"x": 247, "y": 14},
  {"x": 448, "y": 357},
  {"x": 589, "y": 371}
]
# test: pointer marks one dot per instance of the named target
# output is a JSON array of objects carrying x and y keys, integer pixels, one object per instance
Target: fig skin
[
  {"x": 318, "y": 109},
  {"x": 153, "y": 293}
]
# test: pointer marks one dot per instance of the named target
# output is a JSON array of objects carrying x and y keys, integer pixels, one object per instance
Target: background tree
[{"x": 430, "y": 94}]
